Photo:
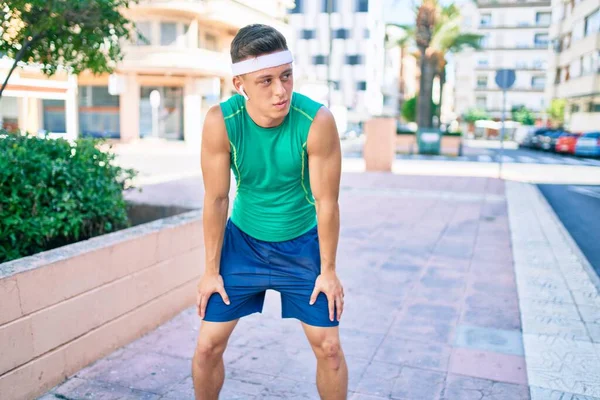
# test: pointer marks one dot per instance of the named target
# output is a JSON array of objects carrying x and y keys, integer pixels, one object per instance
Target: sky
[{"x": 401, "y": 11}]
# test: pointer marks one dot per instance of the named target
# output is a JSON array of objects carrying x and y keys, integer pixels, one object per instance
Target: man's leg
[
  {"x": 208, "y": 370},
  {"x": 332, "y": 371}
]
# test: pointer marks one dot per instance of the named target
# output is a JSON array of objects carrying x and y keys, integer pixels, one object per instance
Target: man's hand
[
  {"x": 209, "y": 284},
  {"x": 329, "y": 284}
]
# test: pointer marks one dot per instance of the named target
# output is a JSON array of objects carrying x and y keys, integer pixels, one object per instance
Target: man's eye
[
  {"x": 287, "y": 76},
  {"x": 266, "y": 81}
]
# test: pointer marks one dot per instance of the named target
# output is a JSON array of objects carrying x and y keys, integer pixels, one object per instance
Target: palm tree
[
  {"x": 427, "y": 15},
  {"x": 436, "y": 34},
  {"x": 448, "y": 39}
]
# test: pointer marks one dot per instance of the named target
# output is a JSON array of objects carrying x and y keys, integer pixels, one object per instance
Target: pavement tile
[
  {"x": 538, "y": 393},
  {"x": 561, "y": 364},
  {"x": 432, "y": 312},
  {"x": 567, "y": 328},
  {"x": 443, "y": 278},
  {"x": 423, "y": 330},
  {"x": 470, "y": 388},
  {"x": 433, "y": 356},
  {"x": 413, "y": 383},
  {"x": 282, "y": 388},
  {"x": 77, "y": 388},
  {"x": 379, "y": 379},
  {"x": 488, "y": 365},
  {"x": 488, "y": 339},
  {"x": 149, "y": 372},
  {"x": 492, "y": 317},
  {"x": 535, "y": 307},
  {"x": 358, "y": 343}
]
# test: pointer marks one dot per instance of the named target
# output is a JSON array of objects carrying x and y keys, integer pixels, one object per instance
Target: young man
[{"x": 284, "y": 151}]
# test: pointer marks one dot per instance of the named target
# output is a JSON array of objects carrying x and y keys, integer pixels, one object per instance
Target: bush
[{"x": 54, "y": 193}]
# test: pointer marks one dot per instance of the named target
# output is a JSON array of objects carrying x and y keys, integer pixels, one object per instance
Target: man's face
[{"x": 270, "y": 90}]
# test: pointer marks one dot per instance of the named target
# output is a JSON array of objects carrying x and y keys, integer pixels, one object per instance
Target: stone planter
[{"x": 62, "y": 309}]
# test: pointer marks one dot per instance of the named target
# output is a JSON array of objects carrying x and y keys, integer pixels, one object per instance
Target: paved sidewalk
[{"x": 432, "y": 309}]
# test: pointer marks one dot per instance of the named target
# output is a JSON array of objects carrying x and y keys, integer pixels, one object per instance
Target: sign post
[{"x": 505, "y": 78}]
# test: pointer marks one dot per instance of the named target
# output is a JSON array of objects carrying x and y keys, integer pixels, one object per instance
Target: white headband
[{"x": 262, "y": 62}]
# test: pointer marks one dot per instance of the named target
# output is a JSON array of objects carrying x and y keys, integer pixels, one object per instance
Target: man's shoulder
[
  {"x": 305, "y": 105},
  {"x": 231, "y": 106}
]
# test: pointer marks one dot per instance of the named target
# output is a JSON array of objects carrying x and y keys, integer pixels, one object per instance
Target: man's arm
[
  {"x": 215, "y": 165},
  {"x": 325, "y": 165}
]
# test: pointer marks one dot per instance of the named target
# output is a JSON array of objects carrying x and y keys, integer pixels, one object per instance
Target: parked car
[
  {"x": 588, "y": 144},
  {"x": 538, "y": 138},
  {"x": 566, "y": 143},
  {"x": 532, "y": 139},
  {"x": 548, "y": 141}
]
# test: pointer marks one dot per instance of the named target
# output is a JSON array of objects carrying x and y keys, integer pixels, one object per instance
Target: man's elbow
[{"x": 326, "y": 203}]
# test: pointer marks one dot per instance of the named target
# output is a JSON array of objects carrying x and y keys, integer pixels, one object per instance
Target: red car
[{"x": 566, "y": 143}]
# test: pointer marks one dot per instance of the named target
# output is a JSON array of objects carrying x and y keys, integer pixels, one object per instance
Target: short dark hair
[{"x": 255, "y": 40}]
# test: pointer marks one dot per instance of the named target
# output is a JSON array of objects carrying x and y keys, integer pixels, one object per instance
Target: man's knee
[
  {"x": 208, "y": 350},
  {"x": 330, "y": 352}
]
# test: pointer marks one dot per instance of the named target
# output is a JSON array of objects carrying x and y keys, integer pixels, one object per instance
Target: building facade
[
  {"x": 163, "y": 87},
  {"x": 574, "y": 65},
  {"x": 516, "y": 36},
  {"x": 345, "y": 48}
]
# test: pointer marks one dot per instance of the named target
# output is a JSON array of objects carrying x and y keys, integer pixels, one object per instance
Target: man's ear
[{"x": 239, "y": 87}]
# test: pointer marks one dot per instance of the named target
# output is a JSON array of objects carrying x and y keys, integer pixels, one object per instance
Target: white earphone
[{"x": 243, "y": 92}]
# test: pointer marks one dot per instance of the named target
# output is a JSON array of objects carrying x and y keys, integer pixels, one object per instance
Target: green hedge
[{"x": 53, "y": 193}]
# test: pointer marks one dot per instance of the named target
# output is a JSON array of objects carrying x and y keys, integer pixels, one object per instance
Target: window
[
  {"x": 336, "y": 85},
  {"x": 341, "y": 34},
  {"x": 355, "y": 59},
  {"x": 483, "y": 62},
  {"x": 486, "y": 20},
  {"x": 211, "y": 42},
  {"x": 557, "y": 76},
  {"x": 362, "y": 5},
  {"x": 297, "y": 8},
  {"x": 595, "y": 107},
  {"x": 596, "y": 61},
  {"x": 586, "y": 64},
  {"x": 538, "y": 82},
  {"x": 98, "y": 112},
  {"x": 543, "y": 18},
  {"x": 361, "y": 85},
  {"x": 168, "y": 33},
  {"x": 578, "y": 30},
  {"x": 592, "y": 23},
  {"x": 482, "y": 82},
  {"x": 481, "y": 102},
  {"x": 367, "y": 33},
  {"x": 54, "y": 116},
  {"x": 308, "y": 34},
  {"x": 575, "y": 68},
  {"x": 574, "y": 108},
  {"x": 144, "y": 29},
  {"x": 541, "y": 40},
  {"x": 485, "y": 40},
  {"x": 329, "y": 3},
  {"x": 319, "y": 60}
]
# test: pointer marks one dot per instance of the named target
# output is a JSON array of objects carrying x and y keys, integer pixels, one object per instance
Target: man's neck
[{"x": 261, "y": 120}]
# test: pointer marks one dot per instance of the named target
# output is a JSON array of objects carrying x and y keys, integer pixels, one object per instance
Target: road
[{"x": 578, "y": 207}]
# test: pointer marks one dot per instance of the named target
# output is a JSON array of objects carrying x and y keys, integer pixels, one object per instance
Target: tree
[
  {"x": 437, "y": 34},
  {"x": 409, "y": 109},
  {"x": 523, "y": 115},
  {"x": 556, "y": 111},
  {"x": 76, "y": 35},
  {"x": 475, "y": 114}
]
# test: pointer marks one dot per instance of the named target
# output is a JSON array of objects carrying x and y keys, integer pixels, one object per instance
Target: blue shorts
[{"x": 250, "y": 266}]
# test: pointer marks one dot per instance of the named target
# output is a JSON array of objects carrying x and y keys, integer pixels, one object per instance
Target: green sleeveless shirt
[{"x": 274, "y": 201}]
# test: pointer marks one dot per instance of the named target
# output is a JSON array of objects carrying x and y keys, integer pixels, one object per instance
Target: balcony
[
  {"x": 163, "y": 59},
  {"x": 518, "y": 26},
  {"x": 229, "y": 14},
  {"x": 512, "y": 3},
  {"x": 526, "y": 89},
  {"x": 580, "y": 86}
]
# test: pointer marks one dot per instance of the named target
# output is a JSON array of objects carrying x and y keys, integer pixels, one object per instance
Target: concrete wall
[{"x": 65, "y": 308}]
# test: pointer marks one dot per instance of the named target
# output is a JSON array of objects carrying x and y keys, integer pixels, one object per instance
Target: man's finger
[
  {"x": 203, "y": 304},
  {"x": 224, "y": 296},
  {"x": 331, "y": 302},
  {"x": 340, "y": 307},
  {"x": 313, "y": 296}
]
